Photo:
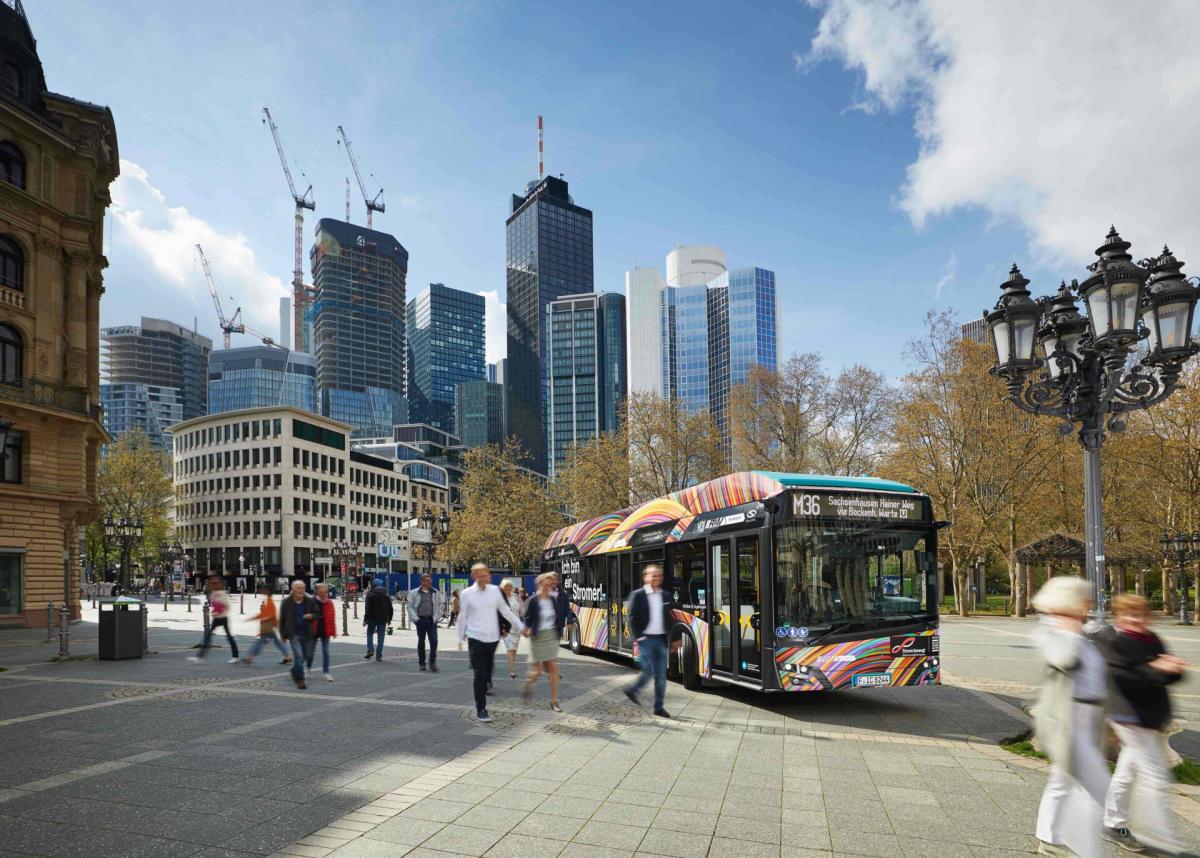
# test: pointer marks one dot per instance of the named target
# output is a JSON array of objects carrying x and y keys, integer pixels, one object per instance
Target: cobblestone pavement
[{"x": 160, "y": 757}]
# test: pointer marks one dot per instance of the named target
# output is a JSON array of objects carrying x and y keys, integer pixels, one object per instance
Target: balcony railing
[
  {"x": 44, "y": 393},
  {"x": 12, "y": 298}
]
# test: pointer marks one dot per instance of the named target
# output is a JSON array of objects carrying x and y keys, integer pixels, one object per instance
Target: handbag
[{"x": 505, "y": 625}]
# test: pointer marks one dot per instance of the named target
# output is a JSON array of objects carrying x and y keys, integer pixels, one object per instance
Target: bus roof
[{"x": 611, "y": 532}]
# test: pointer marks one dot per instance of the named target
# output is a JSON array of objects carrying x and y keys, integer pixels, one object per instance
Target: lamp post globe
[
  {"x": 444, "y": 523},
  {"x": 1084, "y": 375}
]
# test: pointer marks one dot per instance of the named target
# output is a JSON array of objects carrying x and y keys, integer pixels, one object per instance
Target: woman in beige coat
[{"x": 1069, "y": 720}]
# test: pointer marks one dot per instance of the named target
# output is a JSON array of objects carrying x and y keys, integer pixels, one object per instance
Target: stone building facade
[{"x": 58, "y": 157}]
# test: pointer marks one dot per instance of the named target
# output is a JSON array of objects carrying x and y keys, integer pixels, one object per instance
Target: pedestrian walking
[
  {"x": 1069, "y": 719},
  {"x": 268, "y": 622},
  {"x": 1141, "y": 670},
  {"x": 482, "y": 606},
  {"x": 512, "y": 638},
  {"x": 297, "y": 626},
  {"x": 377, "y": 614},
  {"x": 649, "y": 618},
  {"x": 221, "y": 607},
  {"x": 454, "y": 603},
  {"x": 326, "y": 628},
  {"x": 545, "y": 616},
  {"x": 424, "y": 608}
]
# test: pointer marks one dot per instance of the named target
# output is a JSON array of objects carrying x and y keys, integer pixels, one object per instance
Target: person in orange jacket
[{"x": 326, "y": 628}]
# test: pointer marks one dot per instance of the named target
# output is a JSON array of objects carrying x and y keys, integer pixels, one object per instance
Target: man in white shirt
[
  {"x": 479, "y": 610},
  {"x": 649, "y": 620}
]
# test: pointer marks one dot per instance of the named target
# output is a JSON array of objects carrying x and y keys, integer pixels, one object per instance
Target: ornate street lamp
[
  {"x": 1091, "y": 376},
  {"x": 436, "y": 537},
  {"x": 1183, "y": 549}
]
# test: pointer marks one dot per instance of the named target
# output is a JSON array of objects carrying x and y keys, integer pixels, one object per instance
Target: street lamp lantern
[
  {"x": 427, "y": 519},
  {"x": 1168, "y": 307},
  {"x": 1088, "y": 379},
  {"x": 110, "y": 526},
  {"x": 138, "y": 529},
  {"x": 1182, "y": 548},
  {"x": 1013, "y": 323},
  {"x": 177, "y": 548},
  {"x": 444, "y": 523},
  {"x": 1113, "y": 294}
]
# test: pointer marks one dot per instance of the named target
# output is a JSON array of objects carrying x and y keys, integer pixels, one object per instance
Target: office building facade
[
  {"x": 259, "y": 377},
  {"x": 479, "y": 407},
  {"x": 445, "y": 348},
  {"x": 549, "y": 256},
  {"x": 696, "y": 333},
  {"x": 586, "y": 367},
  {"x": 268, "y": 491},
  {"x": 358, "y": 320},
  {"x": 155, "y": 374},
  {"x": 58, "y": 157}
]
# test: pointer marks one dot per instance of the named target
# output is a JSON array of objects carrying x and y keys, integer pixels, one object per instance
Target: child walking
[
  {"x": 221, "y": 608},
  {"x": 268, "y": 620}
]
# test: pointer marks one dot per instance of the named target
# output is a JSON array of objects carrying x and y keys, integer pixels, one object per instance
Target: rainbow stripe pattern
[
  {"x": 862, "y": 663},
  {"x": 593, "y": 626},
  {"x": 699, "y": 630}
]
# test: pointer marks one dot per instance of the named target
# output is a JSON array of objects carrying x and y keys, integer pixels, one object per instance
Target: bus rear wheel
[
  {"x": 573, "y": 639},
  {"x": 684, "y": 666}
]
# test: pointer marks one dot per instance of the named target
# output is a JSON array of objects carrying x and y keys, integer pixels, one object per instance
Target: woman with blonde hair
[
  {"x": 545, "y": 616},
  {"x": 1069, "y": 721},
  {"x": 512, "y": 638}
]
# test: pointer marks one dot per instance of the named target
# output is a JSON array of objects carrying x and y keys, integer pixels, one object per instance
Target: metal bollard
[
  {"x": 207, "y": 616},
  {"x": 49, "y": 622},
  {"x": 189, "y": 601},
  {"x": 94, "y": 589},
  {"x": 345, "y": 612},
  {"x": 356, "y": 606},
  {"x": 164, "y": 601},
  {"x": 242, "y": 603},
  {"x": 145, "y": 631},
  {"x": 64, "y": 632}
]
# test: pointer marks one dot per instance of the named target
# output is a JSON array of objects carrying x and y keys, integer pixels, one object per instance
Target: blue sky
[{"x": 862, "y": 173}]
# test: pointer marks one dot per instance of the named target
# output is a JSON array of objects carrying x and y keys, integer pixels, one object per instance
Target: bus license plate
[{"x": 872, "y": 680}]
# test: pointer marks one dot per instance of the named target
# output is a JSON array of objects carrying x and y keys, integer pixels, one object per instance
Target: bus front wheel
[
  {"x": 573, "y": 639},
  {"x": 684, "y": 663}
]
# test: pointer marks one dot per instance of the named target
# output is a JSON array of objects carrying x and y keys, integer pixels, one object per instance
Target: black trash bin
[{"x": 121, "y": 629}]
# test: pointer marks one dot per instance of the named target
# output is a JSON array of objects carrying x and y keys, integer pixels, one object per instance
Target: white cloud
[
  {"x": 949, "y": 270},
  {"x": 166, "y": 236},
  {"x": 495, "y": 319},
  {"x": 1061, "y": 117}
]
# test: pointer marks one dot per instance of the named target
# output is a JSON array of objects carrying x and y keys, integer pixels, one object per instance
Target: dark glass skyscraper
[
  {"x": 260, "y": 376},
  {"x": 480, "y": 406},
  {"x": 586, "y": 367},
  {"x": 445, "y": 347},
  {"x": 549, "y": 250},
  {"x": 358, "y": 323}
]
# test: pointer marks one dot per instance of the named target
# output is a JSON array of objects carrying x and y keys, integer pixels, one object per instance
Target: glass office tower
[
  {"x": 261, "y": 376},
  {"x": 549, "y": 256},
  {"x": 445, "y": 347},
  {"x": 358, "y": 323},
  {"x": 480, "y": 413},
  {"x": 586, "y": 368}
]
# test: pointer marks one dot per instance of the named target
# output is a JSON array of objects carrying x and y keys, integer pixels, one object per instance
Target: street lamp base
[{"x": 1184, "y": 623}]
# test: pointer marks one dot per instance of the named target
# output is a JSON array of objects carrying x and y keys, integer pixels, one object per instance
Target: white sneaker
[
  {"x": 195, "y": 659},
  {"x": 233, "y": 660},
  {"x": 329, "y": 677}
]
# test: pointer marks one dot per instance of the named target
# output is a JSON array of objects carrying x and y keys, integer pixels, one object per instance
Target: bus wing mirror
[{"x": 939, "y": 525}]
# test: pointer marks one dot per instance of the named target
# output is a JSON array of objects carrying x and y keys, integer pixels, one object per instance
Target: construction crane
[
  {"x": 373, "y": 205},
  {"x": 229, "y": 326},
  {"x": 302, "y": 201}
]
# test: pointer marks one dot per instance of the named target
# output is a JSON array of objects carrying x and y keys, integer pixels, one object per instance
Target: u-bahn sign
[{"x": 393, "y": 544}]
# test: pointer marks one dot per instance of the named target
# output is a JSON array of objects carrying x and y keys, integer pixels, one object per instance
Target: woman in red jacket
[{"x": 326, "y": 628}]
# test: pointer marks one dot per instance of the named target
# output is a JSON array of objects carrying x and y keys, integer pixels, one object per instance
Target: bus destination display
[{"x": 859, "y": 506}]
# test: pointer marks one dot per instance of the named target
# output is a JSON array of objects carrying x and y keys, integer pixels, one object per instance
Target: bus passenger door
[
  {"x": 749, "y": 607},
  {"x": 720, "y": 603},
  {"x": 613, "y": 588}
]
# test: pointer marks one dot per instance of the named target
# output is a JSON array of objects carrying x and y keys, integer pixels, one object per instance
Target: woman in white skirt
[
  {"x": 1069, "y": 719},
  {"x": 544, "y": 618},
  {"x": 512, "y": 640}
]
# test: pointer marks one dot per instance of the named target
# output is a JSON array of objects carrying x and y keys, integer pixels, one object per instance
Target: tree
[
  {"x": 778, "y": 417},
  {"x": 670, "y": 448},
  {"x": 595, "y": 479},
  {"x": 507, "y": 511},
  {"x": 135, "y": 483}
]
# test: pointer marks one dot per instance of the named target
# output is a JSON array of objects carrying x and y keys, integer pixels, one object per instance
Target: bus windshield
[{"x": 828, "y": 573}]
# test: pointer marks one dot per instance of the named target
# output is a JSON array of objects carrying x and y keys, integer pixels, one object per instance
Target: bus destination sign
[{"x": 860, "y": 506}]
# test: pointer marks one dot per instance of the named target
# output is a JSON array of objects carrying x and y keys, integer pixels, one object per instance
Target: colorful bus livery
[{"x": 782, "y": 582}]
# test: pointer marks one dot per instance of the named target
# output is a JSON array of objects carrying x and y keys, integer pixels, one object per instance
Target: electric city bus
[{"x": 781, "y": 582}]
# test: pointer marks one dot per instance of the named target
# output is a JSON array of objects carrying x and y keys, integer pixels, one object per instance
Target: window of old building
[
  {"x": 12, "y": 81},
  {"x": 10, "y": 355},
  {"x": 12, "y": 264},
  {"x": 12, "y": 164}
]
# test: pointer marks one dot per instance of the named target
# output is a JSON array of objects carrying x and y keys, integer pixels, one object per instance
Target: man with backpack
[{"x": 377, "y": 615}]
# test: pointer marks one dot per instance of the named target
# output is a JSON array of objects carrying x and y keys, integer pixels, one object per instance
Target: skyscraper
[
  {"x": 358, "y": 320},
  {"x": 549, "y": 255},
  {"x": 155, "y": 375},
  {"x": 480, "y": 413},
  {"x": 697, "y": 334},
  {"x": 261, "y": 377},
  {"x": 586, "y": 366},
  {"x": 445, "y": 347}
]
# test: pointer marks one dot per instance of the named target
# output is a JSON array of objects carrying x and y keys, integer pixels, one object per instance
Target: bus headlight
[
  {"x": 804, "y": 668},
  {"x": 935, "y": 661}
]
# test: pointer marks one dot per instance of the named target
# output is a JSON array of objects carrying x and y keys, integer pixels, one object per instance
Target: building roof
[{"x": 251, "y": 413}]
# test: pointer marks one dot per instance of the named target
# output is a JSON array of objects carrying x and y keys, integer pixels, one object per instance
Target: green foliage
[
  {"x": 1022, "y": 745},
  {"x": 1187, "y": 772}
]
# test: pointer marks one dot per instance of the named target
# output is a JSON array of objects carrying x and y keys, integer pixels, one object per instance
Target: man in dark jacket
[
  {"x": 1141, "y": 671},
  {"x": 377, "y": 613},
  {"x": 297, "y": 615},
  {"x": 650, "y": 620}
]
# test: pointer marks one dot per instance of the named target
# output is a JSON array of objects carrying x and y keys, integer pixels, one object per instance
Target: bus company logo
[
  {"x": 844, "y": 658},
  {"x": 912, "y": 645}
]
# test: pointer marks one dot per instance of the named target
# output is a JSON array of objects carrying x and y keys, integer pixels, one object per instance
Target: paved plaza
[{"x": 161, "y": 757}]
